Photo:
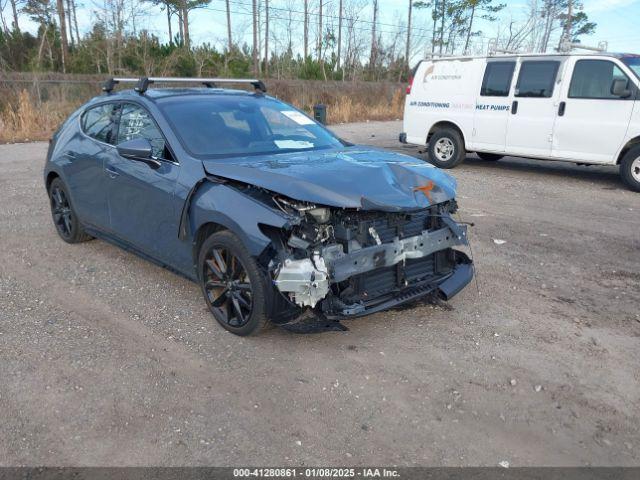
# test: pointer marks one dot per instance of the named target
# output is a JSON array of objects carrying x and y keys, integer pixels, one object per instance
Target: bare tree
[
  {"x": 408, "y": 45},
  {"x": 319, "y": 47},
  {"x": 306, "y": 28},
  {"x": 339, "y": 35},
  {"x": 374, "y": 38},
  {"x": 229, "y": 38},
  {"x": 5, "y": 27},
  {"x": 185, "y": 23},
  {"x": 255, "y": 38},
  {"x": 69, "y": 22},
  {"x": 64, "y": 45},
  {"x": 266, "y": 38},
  {"x": 14, "y": 10},
  {"x": 75, "y": 19}
]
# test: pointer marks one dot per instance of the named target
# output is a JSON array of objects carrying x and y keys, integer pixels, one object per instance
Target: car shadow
[{"x": 607, "y": 176}]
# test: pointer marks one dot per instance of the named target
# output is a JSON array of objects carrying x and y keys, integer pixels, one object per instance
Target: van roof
[{"x": 437, "y": 58}]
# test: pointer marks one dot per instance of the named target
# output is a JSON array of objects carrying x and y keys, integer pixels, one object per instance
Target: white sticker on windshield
[
  {"x": 296, "y": 144},
  {"x": 298, "y": 117}
]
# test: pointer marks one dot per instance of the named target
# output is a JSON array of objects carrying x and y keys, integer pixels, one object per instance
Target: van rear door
[
  {"x": 492, "y": 106},
  {"x": 533, "y": 109},
  {"x": 592, "y": 120}
]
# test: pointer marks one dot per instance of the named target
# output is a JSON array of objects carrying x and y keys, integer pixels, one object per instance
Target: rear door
[
  {"x": 592, "y": 122},
  {"x": 141, "y": 206},
  {"x": 533, "y": 108},
  {"x": 86, "y": 156},
  {"x": 492, "y": 106}
]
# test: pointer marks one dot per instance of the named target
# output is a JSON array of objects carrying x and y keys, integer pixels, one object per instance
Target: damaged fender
[{"x": 243, "y": 214}]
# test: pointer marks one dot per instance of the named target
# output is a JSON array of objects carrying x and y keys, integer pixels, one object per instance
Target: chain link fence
[{"x": 33, "y": 105}]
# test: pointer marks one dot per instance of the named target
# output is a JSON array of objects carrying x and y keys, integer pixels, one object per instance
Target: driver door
[
  {"x": 592, "y": 122},
  {"x": 141, "y": 197}
]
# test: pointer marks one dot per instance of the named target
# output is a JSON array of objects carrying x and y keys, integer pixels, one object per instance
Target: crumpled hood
[{"x": 354, "y": 177}]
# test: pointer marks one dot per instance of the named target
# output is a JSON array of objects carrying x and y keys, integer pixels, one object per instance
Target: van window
[
  {"x": 537, "y": 79},
  {"x": 594, "y": 79},
  {"x": 497, "y": 79},
  {"x": 98, "y": 122}
]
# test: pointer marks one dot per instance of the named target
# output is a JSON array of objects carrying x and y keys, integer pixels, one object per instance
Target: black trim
[
  {"x": 552, "y": 84},
  {"x": 632, "y": 87},
  {"x": 483, "y": 88}
]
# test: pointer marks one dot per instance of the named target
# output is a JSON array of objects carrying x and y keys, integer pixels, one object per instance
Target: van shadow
[{"x": 607, "y": 177}]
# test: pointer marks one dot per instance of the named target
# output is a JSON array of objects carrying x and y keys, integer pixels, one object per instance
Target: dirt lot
[{"x": 106, "y": 359}]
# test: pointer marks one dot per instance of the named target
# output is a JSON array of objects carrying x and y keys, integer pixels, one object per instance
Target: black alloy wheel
[
  {"x": 61, "y": 211},
  {"x": 232, "y": 285},
  {"x": 64, "y": 218}
]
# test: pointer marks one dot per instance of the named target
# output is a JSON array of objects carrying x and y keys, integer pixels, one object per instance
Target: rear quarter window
[{"x": 98, "y": 123}]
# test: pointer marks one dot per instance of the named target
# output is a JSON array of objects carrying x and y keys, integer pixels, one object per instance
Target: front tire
[
  {"x": 490, "y": 157},
  {"x": 446, "y": 148},
  {"x": 630, "y": 169},
  {"x": 232, "y": 284},
  {"x": 64, "y": 216}
]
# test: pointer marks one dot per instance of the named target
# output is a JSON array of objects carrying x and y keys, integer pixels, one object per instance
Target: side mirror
[
  {"x": 139, "y": 149},
  {"x": 619, "y": 88}
]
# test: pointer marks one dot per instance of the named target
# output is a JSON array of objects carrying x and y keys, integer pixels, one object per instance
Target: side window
[
  {"x": 594, "y": 79},
  {"x": 136, "y": 122},
  {"x": 497, "y": 79},
  {"x": 98, "y": 122},
  {"x": 537, "y": 79}
]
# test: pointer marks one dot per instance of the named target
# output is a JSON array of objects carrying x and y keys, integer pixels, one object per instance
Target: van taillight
[{"x": 409, "y": 86}]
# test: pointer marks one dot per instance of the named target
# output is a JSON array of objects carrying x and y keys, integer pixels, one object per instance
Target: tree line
[{"x": 308, "y": 39}]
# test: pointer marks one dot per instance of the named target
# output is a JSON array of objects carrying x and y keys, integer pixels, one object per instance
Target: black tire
[
  {"x": 223, "y": 260},
  {"x": 64, "y": 216},
  {"x": 490, "y": 157},
  {"x": 446, "y": 148},
  {"x": 630, "y": 169}
]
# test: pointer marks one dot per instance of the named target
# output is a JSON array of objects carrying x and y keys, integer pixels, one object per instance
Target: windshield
[
  {"x": 633, "y": 63},
  {"x": 219, "y": 126}
]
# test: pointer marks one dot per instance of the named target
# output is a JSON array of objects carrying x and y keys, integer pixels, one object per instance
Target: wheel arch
[
  {"x": 634, "y": 142},
  {"x": 203, "y": 232},
  {"x": 216, "y": 207},
  {"x": 444, "y": 124},
  {"x": 50, "y": 177}
]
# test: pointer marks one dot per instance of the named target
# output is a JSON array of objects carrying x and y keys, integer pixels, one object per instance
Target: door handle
[
  {"x": 514, "y": 107},
  {"x": 562, "y": 108},
  {"x": 112, "y": 173}
]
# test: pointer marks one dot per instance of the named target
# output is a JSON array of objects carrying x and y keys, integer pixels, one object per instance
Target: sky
[{"x": 617, "y": 21}]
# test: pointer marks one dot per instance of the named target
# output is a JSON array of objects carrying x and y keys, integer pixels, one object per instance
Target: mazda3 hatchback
[{"x": 273, "y": 215}]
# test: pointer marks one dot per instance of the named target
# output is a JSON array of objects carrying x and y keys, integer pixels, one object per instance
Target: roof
[
  {"x": 437, "y": 58},
  {"x": 161, "y": 93}
]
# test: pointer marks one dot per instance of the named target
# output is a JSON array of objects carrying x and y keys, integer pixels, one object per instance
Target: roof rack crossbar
[{"x": 142, "y": 83}]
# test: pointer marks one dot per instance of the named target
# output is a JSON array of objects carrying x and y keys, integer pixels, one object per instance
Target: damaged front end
[{"x": 346, "y": 262}]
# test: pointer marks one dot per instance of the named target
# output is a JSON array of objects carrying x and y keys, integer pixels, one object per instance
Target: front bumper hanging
[{"x": 308, "y": 281}]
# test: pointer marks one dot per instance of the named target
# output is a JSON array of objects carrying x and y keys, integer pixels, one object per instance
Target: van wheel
[
  {"x": 490, "y": 157},
  {"x": 630, "y": 169},
  {"x": 446, "y": 148}
]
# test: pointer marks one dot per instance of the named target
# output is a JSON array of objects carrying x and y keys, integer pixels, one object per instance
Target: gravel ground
[{"x": 106, "y": 359}]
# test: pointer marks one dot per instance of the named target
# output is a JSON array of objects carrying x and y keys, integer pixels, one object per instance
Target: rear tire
[
  {"x": 233, "y": 286},
  {"x": 490, "y": 157},
  {"x": 446, "y": 148},
  {"x": 64, "y": 216},
  {"x": 630, "y": 169}
]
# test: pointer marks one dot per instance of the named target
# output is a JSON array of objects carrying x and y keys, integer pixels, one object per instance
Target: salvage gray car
[{"x": 273, "y": 215}]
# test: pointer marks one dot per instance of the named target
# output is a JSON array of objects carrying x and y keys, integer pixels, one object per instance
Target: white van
[{"x": 570, "y": 107}]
